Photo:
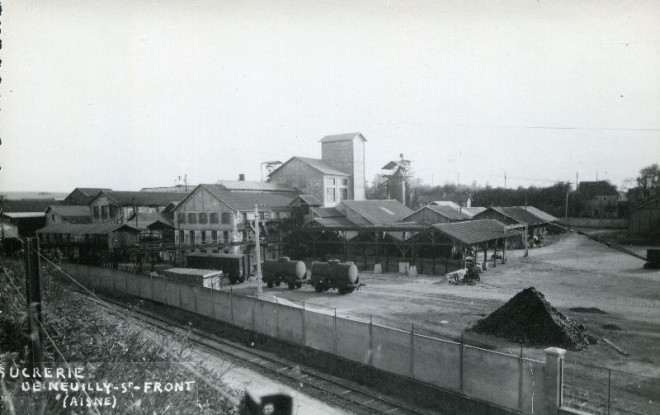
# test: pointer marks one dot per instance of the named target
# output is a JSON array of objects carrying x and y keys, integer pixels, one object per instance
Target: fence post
[
  {"x": 231, "y": 303},
  {"x": 254, "y": 311},
  {"x": 194, "y": 291},
  {"x": 609, "y": 390},
  {"x": 461, "y": 353},
  {"x": 33, "y": 303},
  {"x": 412, "y": 352},
  {"x": 371, "y": 340},
  {"x": 277, "y": 318},
  {"x": 304, "y": 330},
  {"x": 334, "y": 329},
  {"x": 520, "y": 380},
  {"x": 553, "y": 379}
]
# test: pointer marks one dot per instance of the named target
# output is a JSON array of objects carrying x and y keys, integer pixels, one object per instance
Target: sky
[{"x": 128, "y": 94}]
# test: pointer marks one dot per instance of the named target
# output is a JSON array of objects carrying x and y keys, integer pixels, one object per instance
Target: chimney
[{"x": 241, "y": 177}]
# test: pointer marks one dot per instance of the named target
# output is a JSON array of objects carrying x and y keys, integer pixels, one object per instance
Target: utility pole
[
  {"x": 257, "y": 247},
  {"x": 33, "y": 302},
  {"x": 504, "y": 179},
  {"x": 567, "y": 192}
]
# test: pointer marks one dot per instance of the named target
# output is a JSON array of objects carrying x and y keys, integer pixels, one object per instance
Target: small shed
[{"x": 208, "y": 278}]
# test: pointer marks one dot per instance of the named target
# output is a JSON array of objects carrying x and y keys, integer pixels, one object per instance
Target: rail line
[{"x": 348, "y": 394}]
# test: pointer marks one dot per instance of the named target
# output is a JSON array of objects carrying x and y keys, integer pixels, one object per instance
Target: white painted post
[{"x": 554, "y": 379}]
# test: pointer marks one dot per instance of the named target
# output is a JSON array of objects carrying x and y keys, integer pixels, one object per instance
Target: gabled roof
[
  {"x": 70, "y": 211},
  {"x": 91, "y": 191},
  {"x": 322, "y": 212},
  {"x": 242, "y": 201},
  {"x": 27, "y": 205},
  {"x": 241, "y": 185},
  {"x": 518, "y": 214},
  {"x": 333, "y": 222},
  {"x": 449, "y": 203},
  {"x": 146, "y": 220},
  {"x": 83, "y": 195},
  {"x": 378, "y": 212},
  {"x": 316, "y": 164},
  {"x": 123, "y": 198},
  {"x": 472, "y": 211},
  {"x": 445, "y": 211},
  {"x": 476, "y": 231},
  {"x": 23, "y": 215},
  {"x": 599, "y": 188},
  {"x": 342, "y": 137},
  {"x": 545, "y": 217},
  {"x": 85, "y": 229},
  {"x": 307, "y": 199}
]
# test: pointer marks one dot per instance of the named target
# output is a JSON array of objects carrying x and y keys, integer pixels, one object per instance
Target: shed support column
[{"x": 554, "y": 373}]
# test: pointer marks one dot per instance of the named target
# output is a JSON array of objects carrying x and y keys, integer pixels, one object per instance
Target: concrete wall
[
  {"x": 222, "y": 305},
  {"x": 119, "y": 278},
  {"x": 532, "y": 387},
  {"x": 496, "y": 378},
  {"x": 391, "y": 350},
  {"x": 437, "y": 362},
  {"x": 188, "y": 297},
  {"x": 319, "y": 331},
  {"x": 289, "y": 323},
  {"x": 243, "y": 311},
  {"x": 103, "y": 278},
  {"x": 491, "y": 377},
  {"x": 205, "y": 304},
  {"x": 159, "y": 286},
  {"x": 353, "y": 340},
  {"x": 266, "y": 318}
]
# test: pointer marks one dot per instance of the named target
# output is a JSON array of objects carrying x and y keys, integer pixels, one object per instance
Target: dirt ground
[{"x": 570, "y": 270}]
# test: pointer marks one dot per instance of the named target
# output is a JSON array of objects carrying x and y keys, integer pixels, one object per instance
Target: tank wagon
[
  {"x": 334, "y": 274},
  {"x": 276, "y": 271},
  {"x": 234, "y": 266}
]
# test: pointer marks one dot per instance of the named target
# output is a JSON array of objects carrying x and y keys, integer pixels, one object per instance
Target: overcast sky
[{"x": 126, "y": 94}]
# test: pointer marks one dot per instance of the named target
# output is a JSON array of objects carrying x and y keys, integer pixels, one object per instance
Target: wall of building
[
  {"x": 427, "y": 216},
  {"x": 602, "y": 206},
  {"x": 645, "y": 221},
  {"x": 200, "y": 204},
  {"x": 348, "y": 156},
  {"x": 301, "y": 176}
]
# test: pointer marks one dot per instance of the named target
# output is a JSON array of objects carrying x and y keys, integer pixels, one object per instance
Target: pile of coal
[{"x": 529, "y": 319}]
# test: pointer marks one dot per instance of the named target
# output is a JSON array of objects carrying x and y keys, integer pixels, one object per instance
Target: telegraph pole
[
  {"x": 33, "y": 301},
  {"x": 257, "y": 247}
]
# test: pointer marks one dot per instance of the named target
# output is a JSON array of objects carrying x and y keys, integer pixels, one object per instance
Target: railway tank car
[
  {"x": 283, "y": 270},
  {"x": 334, "y": 274}
]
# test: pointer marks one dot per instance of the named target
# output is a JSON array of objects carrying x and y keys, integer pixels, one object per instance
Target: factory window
[
  {"x": 104, "y": 212},
  {"x": 330, "y": 194},
  {"x": 344, "y": 182},
  {"x": 203, "y": 218},
  {"x": 262, "y": 215},
  {"x": 192, "y": 218},
  {"x": 331, "y": 182},
  {"x": 182, "y": 237},
  {"x": 214, "y": 236},
  {"x": 214, "y": 217},
  {"x": 181, "y": 217},
  {"x": 203, "y": 235},
  {"x": 96, "y": 212},
  {"x": 225, "y": 236},
  {"x": 192, "y": 237},
  {"x": 343, "y": 193},
  {"x": 226, "y": 218}
]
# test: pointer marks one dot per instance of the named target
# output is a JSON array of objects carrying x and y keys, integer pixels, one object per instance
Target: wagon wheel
[
  {"x": 299, "y": 285},
  {"x": 270, "y": 284},
  {"x": 318, "y": 287},
  {"x": 277, "y": 284},
  {"x": 292, "y": 285}
]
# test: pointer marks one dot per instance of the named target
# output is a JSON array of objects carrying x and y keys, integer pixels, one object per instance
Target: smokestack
[{"x": 241, "y": 177}]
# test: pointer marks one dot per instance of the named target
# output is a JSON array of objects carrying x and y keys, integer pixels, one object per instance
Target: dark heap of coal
[{"x": 529, "y": 319}]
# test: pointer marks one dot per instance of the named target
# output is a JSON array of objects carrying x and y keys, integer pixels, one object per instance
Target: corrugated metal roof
[
  {"x": 23, "y": 215},
  {"x": 238, "y": 185},
  {"x": 245, "y": 201},
  {"x": 144, "y": 198},
  {"x": 27, "y": 205},
  {"x": 378, "y": 212},
  {"x": 476, "y": 231},
  {"x": 449, "y": 203},
  {"x": 472, "y": 211},
  {"x": 334, "y": 222},
  {"x": 545, "y": 217},
  {"x": 321, "y": 212},
  {"x": 445, "y": 211},
  {"x": 308, "y": 199},
  {"x": 70, "y": 210},
  {"x": 91, "y": 191},
  {"x": 145, "y": 220},
  {"x": 84, "y": 229},
  {"x": 321, "y": 166},
  {"x": 519, "y": 214},
  {"x": 341, "y": 137}
]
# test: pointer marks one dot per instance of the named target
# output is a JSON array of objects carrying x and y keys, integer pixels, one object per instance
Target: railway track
[{"x": 343, "y": 392}]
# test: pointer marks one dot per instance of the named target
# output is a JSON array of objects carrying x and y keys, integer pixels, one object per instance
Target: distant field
[{"x": 33, "y": 195}]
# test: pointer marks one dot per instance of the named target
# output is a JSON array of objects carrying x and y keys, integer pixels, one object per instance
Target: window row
[
  {"x": 202, "y": 237},
  {"x": 203, "y": 218}
]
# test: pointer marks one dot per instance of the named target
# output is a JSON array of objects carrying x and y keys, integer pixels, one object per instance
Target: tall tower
[{"x": 345, "y": 152}]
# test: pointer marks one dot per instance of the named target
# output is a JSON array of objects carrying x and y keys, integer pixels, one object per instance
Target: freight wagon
[
  {"x": 283, "y": 270},
  {"x": 208, "y": 278},
  {"x": 334, "y": 274},
  {"x": 235, "y": 267}
]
